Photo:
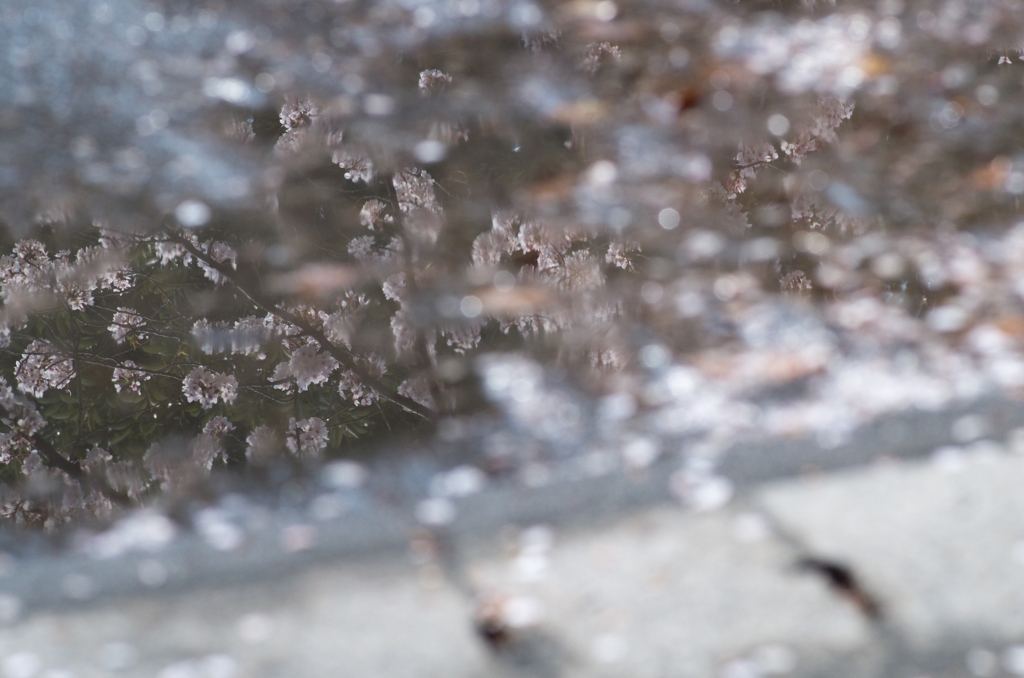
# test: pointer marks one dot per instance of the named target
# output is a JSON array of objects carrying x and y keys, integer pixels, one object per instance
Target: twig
[{"x": 343, "y": 357}]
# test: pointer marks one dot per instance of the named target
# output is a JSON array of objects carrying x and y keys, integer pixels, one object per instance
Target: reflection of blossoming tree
[
  {"x": 141, "y": 360},
  {"x": 109, "y": 359},
  {"x": 136, "y": 360},
  {"x": 690, "y": 205}
]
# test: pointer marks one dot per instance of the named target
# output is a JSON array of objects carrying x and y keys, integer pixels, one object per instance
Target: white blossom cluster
[
  {"x": 568, "y": 263},
  {"x": 208, "y": 388},
  {"x": 169, "y": 252},
  {"x": 220, "y": 252},
  {"x": 126, "y": 322},
  {"x": 463, "y": 338},
  {"x": 306, "y": 437},
  {"x": 28, "y": 268},
  {"x": 304, "y": 128},
  {"x": 209, "y": 446},
  {"x": 306, "y": 367},
  {"x": 806, "y": 205},
  {"x": 351, "y": 387},
  {"x": 418, "y": 202},
  {"x": 373, "y": 216},
  {"x": 42, "y": 367},
  {"x": 30, "y": 278},
  {"x": 563, "y": 255},
  {"x": 308, "y": 132},
  {"x": 749, "y": 159},
  {"x": 129, "y": 377},
  {"x": 598, "y": 54},
  {"x": 362, "y": 247},
  {"x": 23, "y": 421},
  {"x": 433, "y": 82},
  {"x": 820, "y": 129},
  {"x": 357, "y": 166},
  {"x": 298, "y": 113}
]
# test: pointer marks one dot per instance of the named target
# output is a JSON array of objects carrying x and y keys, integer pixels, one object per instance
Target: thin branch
[
  {"x": 343, "y": 357},
  {"x": 55, "y": 459},
  {"x": 78, "y": 380}
]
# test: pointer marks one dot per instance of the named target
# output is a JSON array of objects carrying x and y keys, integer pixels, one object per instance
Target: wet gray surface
[{"x": 626, "y": 583}]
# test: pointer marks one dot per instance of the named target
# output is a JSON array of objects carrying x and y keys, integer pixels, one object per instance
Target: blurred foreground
[
  {"x": 492, "y": 337},
  {"x": 903, "y": 567}
]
